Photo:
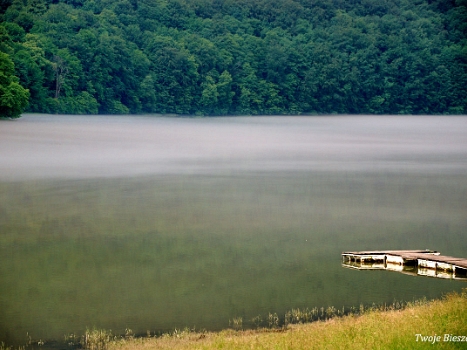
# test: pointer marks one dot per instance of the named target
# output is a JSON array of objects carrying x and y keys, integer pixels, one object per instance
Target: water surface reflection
[{"x": 194, "y": 233}]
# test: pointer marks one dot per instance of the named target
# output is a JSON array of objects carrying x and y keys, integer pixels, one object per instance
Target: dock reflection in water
[{"x": 410, "y": 262}]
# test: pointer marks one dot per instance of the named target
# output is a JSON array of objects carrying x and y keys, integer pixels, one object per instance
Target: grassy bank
[{"x": 376, "y": 329}]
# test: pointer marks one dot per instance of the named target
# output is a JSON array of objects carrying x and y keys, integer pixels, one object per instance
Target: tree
[
  {"x": 238, "y": 56},
  {"x": 224, "y": 88},
  {"x": 209, "y": 96},
  {"x": 61, "y": 70},
  {"x": 13, "y": 97}
]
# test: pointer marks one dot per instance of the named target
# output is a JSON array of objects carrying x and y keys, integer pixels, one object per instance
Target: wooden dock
[{"x": 419, "y": 262}]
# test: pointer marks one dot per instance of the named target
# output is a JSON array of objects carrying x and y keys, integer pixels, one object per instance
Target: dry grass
[{"x": 373, "y": 330}]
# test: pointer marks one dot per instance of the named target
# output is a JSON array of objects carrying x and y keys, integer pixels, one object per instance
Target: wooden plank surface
[
  {"x": 390, "y": 252},
  {"x": 415, "y": 254}
]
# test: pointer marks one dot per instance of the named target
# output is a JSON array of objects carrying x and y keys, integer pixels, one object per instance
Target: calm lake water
[{"x": 153, "y": 223}]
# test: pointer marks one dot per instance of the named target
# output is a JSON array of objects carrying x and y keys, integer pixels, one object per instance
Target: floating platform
[{"x": 414, "y": 262}]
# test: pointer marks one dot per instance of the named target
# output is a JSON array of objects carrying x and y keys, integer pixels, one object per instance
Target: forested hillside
[{"x": 218, "y": 57}]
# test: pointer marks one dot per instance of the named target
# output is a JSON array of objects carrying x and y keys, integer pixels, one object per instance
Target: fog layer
[{"x": 58, "y": 146}]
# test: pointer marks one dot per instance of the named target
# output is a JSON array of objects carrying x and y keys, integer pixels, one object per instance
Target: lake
[{"x": 152, "y": 223}]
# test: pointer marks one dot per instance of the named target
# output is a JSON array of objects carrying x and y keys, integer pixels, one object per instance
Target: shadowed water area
[{"x": 153, "y": 223}]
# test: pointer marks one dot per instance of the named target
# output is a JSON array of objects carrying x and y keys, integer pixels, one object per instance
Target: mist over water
[
  {"x": 152, "y": 223},
  {"x": 54, "y": 146}
]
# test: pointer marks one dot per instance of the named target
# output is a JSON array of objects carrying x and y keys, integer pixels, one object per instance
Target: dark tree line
[{"x": 217, "y": 57}]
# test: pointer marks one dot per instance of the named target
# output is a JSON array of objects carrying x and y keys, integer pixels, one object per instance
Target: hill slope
[{"x": 239, "y": 56}]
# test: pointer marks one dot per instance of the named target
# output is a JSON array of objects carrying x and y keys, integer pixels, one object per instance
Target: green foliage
[
  {"x": 13, "y": 97},
  {"x": 83, "y": 103},
  {"x": 239, "y": 57}
]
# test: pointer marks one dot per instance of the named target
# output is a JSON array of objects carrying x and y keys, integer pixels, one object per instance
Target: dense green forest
[{"x": 218, "y": 57}]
